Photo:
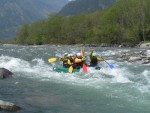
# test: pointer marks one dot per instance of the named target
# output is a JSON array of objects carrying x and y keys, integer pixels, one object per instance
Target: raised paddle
[
  {"x": 84, "y": 67},
  {"x": 82, "y": 52}
]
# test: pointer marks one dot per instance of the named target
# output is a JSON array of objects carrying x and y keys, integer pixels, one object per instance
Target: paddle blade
[
  {"x": 84, "y": 68},
  {"x": 82, "y": 52},
  {"x": 111, "y": 66},
  {"x": 50, "y": 60},
  {"x": 70, "y": 70}
]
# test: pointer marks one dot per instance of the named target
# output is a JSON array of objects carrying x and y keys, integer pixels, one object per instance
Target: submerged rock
[
  {"x": 8, "y": 106},
  {"x": 5, "y": 73}
]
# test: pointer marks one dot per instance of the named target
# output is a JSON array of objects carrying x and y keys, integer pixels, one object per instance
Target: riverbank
[
  {"x": 79, "y": 45},
  {"x": 122, "y": 45}
]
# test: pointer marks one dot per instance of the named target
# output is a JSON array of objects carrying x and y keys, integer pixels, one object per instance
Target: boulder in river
[
  {"x": 5, "y": 73},
  {"x": 8, "y": 106},
  {"x": 145, "y": 45},
  {"x": 132, "y": 58}
]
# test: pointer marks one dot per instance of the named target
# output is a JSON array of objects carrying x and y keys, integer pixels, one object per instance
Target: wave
[{"x": 39, "y": 68}]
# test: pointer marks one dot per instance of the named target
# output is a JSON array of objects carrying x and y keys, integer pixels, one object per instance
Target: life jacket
[
  {"x": 70, "y": 61},
  {"x": 77, "y": 65},
  {"x": 65, "y": 64},
  {"x": 94, "y": 62}
]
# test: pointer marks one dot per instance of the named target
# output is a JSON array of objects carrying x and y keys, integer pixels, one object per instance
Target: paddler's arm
[
  {"x": 78, "y": 60},
  {"x": 61, "y": 59},
  {"x": 69, "y": 62},
  {"x": 91, "y": 54}
]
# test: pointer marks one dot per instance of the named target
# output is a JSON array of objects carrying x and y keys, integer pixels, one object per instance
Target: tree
[{"x": 22, "y": 34}]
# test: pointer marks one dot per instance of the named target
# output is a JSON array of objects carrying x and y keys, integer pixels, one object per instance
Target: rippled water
[{"x": 38, "y": 89}]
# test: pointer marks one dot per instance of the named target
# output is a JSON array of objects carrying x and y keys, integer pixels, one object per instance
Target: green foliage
[
  {"x": 128, "y": 21},
  {"x": 22, "y": 34}
]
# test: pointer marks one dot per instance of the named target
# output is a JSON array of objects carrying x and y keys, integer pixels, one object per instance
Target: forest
[
  {"x": 77, "y": 7},
  {"x": 127, "y": 21}
]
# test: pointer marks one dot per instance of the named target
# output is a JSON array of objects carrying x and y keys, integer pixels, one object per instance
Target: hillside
[
  {"x": 76, "y": 7},
  {"x": 14, "y": 13},
  {"x": 126, "y": 22}
]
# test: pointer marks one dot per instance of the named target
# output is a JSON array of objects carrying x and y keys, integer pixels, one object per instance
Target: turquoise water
[{"x": 37, "y": 89}]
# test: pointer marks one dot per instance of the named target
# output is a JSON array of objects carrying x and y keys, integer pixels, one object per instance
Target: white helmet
[{"x": 79, "y": 54}]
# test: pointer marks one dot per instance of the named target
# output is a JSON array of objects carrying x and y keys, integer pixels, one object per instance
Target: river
[{"x": 38, "y": 89}]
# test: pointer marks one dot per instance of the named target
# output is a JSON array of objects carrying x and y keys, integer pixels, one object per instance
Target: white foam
[
  {"x": 19, "y": 65},
  {"x": 120, "y": 76},
  {"x": 146, "y": 74},
  {"x": 38, "y": 68}
]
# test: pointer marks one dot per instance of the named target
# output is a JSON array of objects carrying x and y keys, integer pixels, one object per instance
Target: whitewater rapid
[
  {"x": 35, "y": 86},
  {"x": 33, "y": 64}
]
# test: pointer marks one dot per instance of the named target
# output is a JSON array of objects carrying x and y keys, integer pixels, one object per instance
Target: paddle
[
  {"x": 84, "y": 67},
  {"x": 70, "y": 70},
  {"x": 51, "y": 60},
  {"x": 110, "y": 65}
]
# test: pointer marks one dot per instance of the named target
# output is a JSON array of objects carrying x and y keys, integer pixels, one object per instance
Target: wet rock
[
  {"x": 90, "y": 45},
  {"x": 135, "y": 56},
  {"x": 104, "y": 45},
  {"x": 145, "y": 61},
  {"x": 138, "y": 45},
  {"x": 125, "y": 58},
  {"x": 126, "y": 45},
  {"x": 145, "y": 45},
  {"x": 5, "y": 73},
  {"x": 8, "y": 106},
  {"x": 131, "y": 59}
]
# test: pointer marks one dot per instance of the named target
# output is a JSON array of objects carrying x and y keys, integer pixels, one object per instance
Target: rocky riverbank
[
  {"x": 145, "y": 45},
  {"x": 142, "y": 57}
]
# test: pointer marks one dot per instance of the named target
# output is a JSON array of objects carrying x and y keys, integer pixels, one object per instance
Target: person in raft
[
  {"x": 94, "y": 59},
  {"x": 78, "y": 61},
  {"x": 70, "y": 60},
  {"x": 64, "y": 59}
]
